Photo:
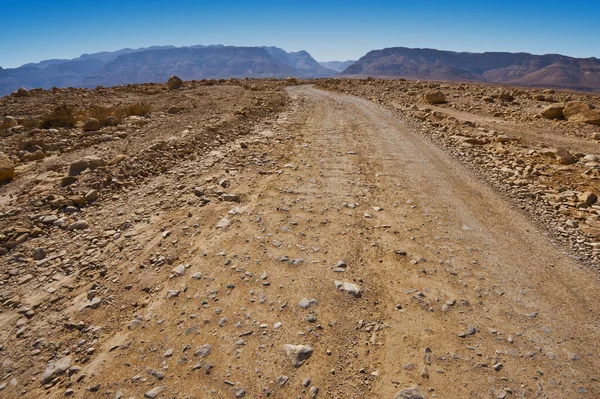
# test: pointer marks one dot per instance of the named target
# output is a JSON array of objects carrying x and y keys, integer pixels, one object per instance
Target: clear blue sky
[{"x": 33, "y": 30}]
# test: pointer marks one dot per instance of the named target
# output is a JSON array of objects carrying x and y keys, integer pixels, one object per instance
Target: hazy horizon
[{"x": 331, "y": 31}]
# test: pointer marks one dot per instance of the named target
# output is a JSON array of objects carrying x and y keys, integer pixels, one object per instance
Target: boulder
[
  {"x": 174, "y": 83},
  {"x": 8, "y": 122},
  {"x": 574, "y": 108},
  {"x": 592, "y": 117},
  {"x": 434, "y": 97},
  {"x": 22, "y": 92},
  {"x": 553, "y": 111},
  {"x": 91, "y": 124},
  {"x": 504, "y": 96},
  {"x": 7, "y": 169}
]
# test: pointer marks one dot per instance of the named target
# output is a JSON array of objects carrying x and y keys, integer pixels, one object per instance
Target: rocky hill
[
  {"x": 156, "y": 64},
  {"x": 550, "y": 70}
]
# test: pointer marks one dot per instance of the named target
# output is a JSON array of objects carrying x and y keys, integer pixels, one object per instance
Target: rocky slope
[{"x": 551, "y": 70}]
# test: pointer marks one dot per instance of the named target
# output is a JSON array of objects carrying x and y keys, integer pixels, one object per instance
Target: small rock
[
  {"x": 410, "y": 393},
  {"x": 203, "y": 351},
  {"x": 223, "y": 223},
  {"x": 305, "y": 303},
  {"x": 179, "y": 270},
  {"x": 348, "y": 287},
  {"x": 172, "y": 293},
  {"x": 91, "y": 196},
  {"x": 564, "y": 157},
  {"x": 54, "y": 369},
  {"x": 39, "y": 253},
  {"x": 79, "y": 225},
  {"x": 298, "y": 354},
  {"x": 154, "y": 392}
]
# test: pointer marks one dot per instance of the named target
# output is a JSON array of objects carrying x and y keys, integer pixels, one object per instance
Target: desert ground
[{"x": 335, "y": 238}]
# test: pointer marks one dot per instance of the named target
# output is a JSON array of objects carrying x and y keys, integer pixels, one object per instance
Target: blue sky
[{"x": 33, "y": 30}]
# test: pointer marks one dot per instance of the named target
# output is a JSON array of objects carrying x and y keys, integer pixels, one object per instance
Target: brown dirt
[{"x": 330, "y": 177}]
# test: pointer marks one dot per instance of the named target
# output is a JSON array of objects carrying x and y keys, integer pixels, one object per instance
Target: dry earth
[{"x": 219, "y": 236}]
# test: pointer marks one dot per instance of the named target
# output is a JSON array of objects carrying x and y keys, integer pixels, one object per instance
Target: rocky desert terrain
[{"x": 339, "y": 238}]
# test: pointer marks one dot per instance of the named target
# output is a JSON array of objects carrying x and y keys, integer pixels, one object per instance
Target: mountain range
[
  {"x": 521, "y": 69},
  {"x": 156, "y": 64}
]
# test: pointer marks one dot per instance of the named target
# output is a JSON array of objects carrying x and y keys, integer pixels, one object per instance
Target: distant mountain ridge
[
  {"x": 337, "y": 66},
  {"x": 156, "y": 64},
  {"x": 550, "y": 70}
]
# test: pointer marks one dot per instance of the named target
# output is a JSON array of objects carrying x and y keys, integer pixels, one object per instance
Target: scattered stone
[
  {"x": 172, "y": 293},
  {"x": 203, "y": 351},
  {"x": 79, "y": 225},
  {"x": 348, "y": 287},
  {"x": 471, "y": 330},
  {"x": 91, "y": 196},
  {"x": 223, "y": 223},
  {"x": 305, "y": 303},
  {"x": 179, "y": 270},
  {"x": 564, "y": 157},
  {"x": 340, "y": 267},
  {"x": 54, "y": 369},
  {"x": 39, "y": 253},
  {"x": 154, "y": 392},
  {"x": 298, "y": 354},
  {"x": 410, "y": 393}
]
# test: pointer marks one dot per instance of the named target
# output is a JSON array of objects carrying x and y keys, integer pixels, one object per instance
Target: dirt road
[{"x": 460, "y": 294}]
